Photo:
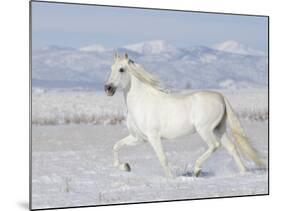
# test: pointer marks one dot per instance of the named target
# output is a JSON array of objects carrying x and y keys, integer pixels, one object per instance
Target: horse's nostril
[{"x": 107, "y": 87}]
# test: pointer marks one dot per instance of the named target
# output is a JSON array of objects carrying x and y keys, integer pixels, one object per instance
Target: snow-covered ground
[
  {"x": 72, "y": 137},
  {"x": 72, "y": 166}
]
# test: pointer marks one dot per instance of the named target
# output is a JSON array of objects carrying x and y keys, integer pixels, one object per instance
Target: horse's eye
[{"x": 121, "y": 70}]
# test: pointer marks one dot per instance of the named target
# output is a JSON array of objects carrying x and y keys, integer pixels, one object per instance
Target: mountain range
[{"x": 227, "y": 65}]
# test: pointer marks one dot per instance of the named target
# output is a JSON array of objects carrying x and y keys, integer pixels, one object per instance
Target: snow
[
  {"x": 52, "y": 107},
  {"x": 72, "y": 166},
  {"x": 235, "y": 47},
  {"x": 151, "y": 47},
  {"x": 94, "y": 48},
  {"x": 73, "y": 132}
]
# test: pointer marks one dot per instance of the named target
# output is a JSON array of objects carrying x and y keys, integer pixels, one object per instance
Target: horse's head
[{"x": 119, "y": 76}]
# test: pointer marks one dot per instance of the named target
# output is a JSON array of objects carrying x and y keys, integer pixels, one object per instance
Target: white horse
[{"x": 154, "y": 114}]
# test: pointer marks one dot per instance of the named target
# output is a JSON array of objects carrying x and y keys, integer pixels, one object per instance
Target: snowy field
[
  {"x": 76, "y": 107},
  {"x": 72, "y": 138}
]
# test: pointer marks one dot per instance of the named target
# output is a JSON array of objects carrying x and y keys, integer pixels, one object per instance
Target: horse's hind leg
[
  {"x": 127, "y": 141},
  {"x": 209, "y": 137}
]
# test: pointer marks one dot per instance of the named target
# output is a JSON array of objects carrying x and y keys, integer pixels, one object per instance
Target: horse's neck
[{"x": 136, "y": 90}]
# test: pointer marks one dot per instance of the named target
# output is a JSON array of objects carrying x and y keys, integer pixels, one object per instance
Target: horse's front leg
[
  {"x": 127, "y": 141},
  {"x": 156, "y": 144}
]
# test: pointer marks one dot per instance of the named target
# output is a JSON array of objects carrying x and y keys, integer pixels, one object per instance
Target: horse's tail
[{"x": 240, "y": 136}]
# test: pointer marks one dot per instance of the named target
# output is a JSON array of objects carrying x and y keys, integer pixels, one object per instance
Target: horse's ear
[
  {"x": 115, "y": 55},
  {"x": 126, "y": 55}
]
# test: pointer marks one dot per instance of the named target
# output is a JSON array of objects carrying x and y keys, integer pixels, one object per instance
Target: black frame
[{"x": 148, "y": 8}]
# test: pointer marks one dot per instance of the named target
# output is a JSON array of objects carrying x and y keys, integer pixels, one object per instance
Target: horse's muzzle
[{"x": 109, "y": 89}]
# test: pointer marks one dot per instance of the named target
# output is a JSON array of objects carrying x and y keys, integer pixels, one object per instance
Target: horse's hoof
[
  {"x": 125, "y": 167},
  {"x": 197, "y": 173}
]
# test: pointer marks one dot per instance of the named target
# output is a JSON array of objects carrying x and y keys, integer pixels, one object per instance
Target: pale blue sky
[{"x": 81, "y": 25}]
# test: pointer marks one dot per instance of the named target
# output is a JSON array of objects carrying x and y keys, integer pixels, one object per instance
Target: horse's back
[{"x": 206, "y": 95}]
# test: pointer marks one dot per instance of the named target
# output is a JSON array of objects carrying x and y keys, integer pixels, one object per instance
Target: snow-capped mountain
[
  {"x": 152, "y": 47},
  {"x": 195, "y": 67},
  {"x": 94, "y": 48},
  {"x": 235, "y": 47}
]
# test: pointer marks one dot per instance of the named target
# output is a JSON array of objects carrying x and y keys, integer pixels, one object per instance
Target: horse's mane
[{"x": 146, "y": 77}]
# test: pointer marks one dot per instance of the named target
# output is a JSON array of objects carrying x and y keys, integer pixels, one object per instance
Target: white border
[{"x": 14, "y": 102}]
